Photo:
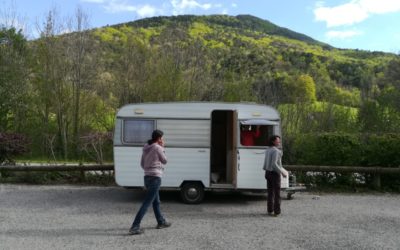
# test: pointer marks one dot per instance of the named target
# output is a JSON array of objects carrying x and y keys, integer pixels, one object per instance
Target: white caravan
[{"x": 202, "y": 143}]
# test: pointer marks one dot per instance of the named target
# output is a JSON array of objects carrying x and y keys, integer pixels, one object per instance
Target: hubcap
[{"x": 192, "y": 192}]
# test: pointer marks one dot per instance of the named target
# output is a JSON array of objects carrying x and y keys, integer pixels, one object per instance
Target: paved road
[{"x": 73, "y": 217}]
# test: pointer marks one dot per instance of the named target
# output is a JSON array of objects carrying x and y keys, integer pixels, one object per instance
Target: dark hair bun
[{"x": 156, "y": 134}]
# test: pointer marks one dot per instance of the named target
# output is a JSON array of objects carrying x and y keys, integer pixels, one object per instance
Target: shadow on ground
[{"x": 210, "y": 197}]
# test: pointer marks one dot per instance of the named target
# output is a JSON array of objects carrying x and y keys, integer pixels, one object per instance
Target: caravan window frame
[
  {"x": 265, "y": 132},
  {"x": 144, "y": 136},
  {"x": 267, "y": 129}
]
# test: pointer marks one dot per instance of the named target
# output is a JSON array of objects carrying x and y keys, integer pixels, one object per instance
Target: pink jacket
[{"x": 153, "y": 158}]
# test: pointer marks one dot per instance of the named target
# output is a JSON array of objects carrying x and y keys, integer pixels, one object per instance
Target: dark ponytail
[{"x": 155, "y": 136}]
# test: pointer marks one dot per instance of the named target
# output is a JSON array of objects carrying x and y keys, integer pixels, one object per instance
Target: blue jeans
[{"x": 152, "y": 184}]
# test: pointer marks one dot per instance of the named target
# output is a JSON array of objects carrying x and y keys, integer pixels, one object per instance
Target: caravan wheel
[{"x": 192, "y": 192}]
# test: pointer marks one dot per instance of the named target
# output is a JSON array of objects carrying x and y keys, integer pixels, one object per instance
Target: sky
[{"x": 353, "y": 24}]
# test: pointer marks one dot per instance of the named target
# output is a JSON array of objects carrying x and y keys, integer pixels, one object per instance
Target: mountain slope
[
  {"x": 243, "y": 57},
  {"x": 240, "y": 22}
]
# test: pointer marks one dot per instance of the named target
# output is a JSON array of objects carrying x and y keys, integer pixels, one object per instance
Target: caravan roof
[{"x": 196, "y": 110}]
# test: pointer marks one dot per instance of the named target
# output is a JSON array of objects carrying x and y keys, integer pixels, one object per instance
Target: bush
[
  {"x": 340, "y": 149},
  {"x": 12, "y": 145},
  {"x": 97, "y": 146},
  {"x": 381, "y": 150},
  {"x": 333, "y": 149}
]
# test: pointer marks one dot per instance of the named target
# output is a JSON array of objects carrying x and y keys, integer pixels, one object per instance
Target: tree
[
  {"x": 77, "y": 45},
  {"x": 14, "y": 73},
  {"x": 167, "y": 64},
  {"x": 392, "y": 73},
  {"x": 132, "y": 67},
  {"x": 300, "y": 89},
  {"x": 268, "y": 89},
  {"x": 53, "y": 93}
]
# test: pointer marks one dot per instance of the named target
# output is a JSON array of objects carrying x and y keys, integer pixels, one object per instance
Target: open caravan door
[
  {"x": 223, "y": 167},
  {"x": 252, "y": 143}
]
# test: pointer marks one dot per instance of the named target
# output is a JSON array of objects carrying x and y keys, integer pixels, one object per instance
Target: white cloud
[
  {"x": 146, "y": 11},
  {"x": 381, "y": 6},
  {"x": 66, "y": 31},
  {"x": 234, "y": 5},
  {"x": 177, "y": 7},
  {"x": 354, "y": 11},
  {"x": 340, "y": 15},
  {"x": 335, "y": 34},
  {"x": 117, "y": 6},
  {"x": 180, "y": 6}
]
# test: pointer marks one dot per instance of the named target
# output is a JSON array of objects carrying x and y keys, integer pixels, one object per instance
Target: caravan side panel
[
  {"x": 186, "y": 146},
  {"x": 128, "y": 172},
  {"x": 183, "y": 133},
  {"x": 184, "y": 164},
  {"x": 250, "y": 172}
]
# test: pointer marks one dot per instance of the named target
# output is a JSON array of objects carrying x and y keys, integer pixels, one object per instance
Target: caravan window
[
  {"x": 255, "y": 135},
  {"x": 137, "y": 131},
  {"x": 255, "y": 132}
]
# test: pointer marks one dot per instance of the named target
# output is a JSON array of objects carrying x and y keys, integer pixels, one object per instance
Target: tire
[{"x": 192, "y": 192}]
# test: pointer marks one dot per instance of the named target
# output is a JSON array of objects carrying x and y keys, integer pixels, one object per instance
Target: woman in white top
[{"x": 273, "y": 171}]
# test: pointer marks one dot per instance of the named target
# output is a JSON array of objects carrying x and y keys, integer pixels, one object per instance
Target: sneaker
[
  {"x": 163, "y": 225},
  {"x": 134, "y": 231}
]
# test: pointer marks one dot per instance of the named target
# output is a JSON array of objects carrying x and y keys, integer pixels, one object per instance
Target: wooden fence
[
  {"x": 376, "y": 171},
  {"x": 343, "y": 169},
  {"x": 54, "y": 167}
]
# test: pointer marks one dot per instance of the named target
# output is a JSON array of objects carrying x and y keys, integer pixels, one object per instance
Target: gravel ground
[{"x": 75, "y": 217}]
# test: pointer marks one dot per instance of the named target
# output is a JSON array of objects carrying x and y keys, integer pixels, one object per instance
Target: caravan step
[{"x": 222, "y": 185}]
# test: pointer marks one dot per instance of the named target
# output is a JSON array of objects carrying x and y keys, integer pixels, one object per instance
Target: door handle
[
  {"x": 202, "y": 151},
  {"x": 238, "y": 160}
]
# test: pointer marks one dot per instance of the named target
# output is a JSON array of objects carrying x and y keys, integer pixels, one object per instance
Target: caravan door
[
  {"x": 223, "y": 167},
  {"x": 251, "y": 151}
]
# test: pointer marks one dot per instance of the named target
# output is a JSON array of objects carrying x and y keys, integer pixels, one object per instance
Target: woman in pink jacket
[{"x": 152, "y": 162}]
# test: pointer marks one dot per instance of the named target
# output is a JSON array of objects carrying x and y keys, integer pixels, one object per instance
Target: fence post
[
  {"x": 83, "y": 176},
  {"x": 376, "y": 182}
]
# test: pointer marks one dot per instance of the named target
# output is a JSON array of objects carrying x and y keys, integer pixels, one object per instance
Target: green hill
[
  {"x": 60, "y": 87},
  {"x": 249, "y": 45},
  {"x": 240, "y": 22}
]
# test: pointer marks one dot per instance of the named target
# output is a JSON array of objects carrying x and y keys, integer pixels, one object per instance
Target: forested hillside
[{"x": 62, "y": 91}]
